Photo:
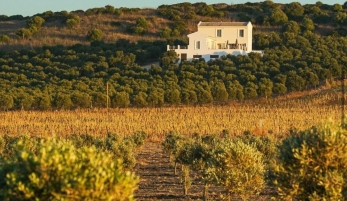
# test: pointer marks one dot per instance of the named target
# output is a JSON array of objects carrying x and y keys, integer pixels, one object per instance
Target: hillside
[
  {"x": 51, "y": 64},
  {"x": 179, "y": 19}
]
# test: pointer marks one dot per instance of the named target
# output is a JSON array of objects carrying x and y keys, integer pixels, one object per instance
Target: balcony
[
  {"x": 221, "y": 46},
  {"x": 176, "y": 47}
]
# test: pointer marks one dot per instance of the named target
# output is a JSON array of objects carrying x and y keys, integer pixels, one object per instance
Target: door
[{"x": 183, "y": 57}]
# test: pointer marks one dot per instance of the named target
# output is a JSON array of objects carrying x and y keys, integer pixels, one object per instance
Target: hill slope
[
  {"x": 68, "y": 71},
  {"x": 179, "y": 19}
]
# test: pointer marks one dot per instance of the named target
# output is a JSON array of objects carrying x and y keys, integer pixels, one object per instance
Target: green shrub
[
  {"x": 10, "y": 144},
  {"x": 312, "y": 164},
  {"x": 94, "y": 35},
  {"x": 6, "y": 101},
  {"x": 240, "y": 169},
  {"x": 138, "y": 138},
  {"x": 73, "y": 21},
  {"x": 36, "y": 21},
  {"x": 59, "y": 171},
  {"x": 119, "y": 148},
  {"x": 125, "y": 150},
  {"x": 4, "y": 38},
  {"x": 172, "y": 144},
  {"x": 266, "y": 145},
  {"x": 82, "y": 140}
]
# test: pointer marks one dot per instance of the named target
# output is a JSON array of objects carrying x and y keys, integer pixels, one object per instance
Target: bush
[
  {"x": 94, "y": 35},
  {"x": 138, "y": 138},
  {"x": 24, "y": 33},
  {"x": 9, "y": 144},
  {"x": 6, "y": 101},
  {"x": 312, "y": 164},
  {"x": 4, "y": 38},
  {"x": 36, "y": 21},
  {"x": 73, "y": 21},
  {"x": 59, "y": 171},
  {"x": 241, "y": 169}
]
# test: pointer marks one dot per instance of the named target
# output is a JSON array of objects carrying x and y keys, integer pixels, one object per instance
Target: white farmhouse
[{"x": 214, "y": 39}]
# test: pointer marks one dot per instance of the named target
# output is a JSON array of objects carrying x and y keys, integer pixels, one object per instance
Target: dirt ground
[{"x": 158, "y": 181}]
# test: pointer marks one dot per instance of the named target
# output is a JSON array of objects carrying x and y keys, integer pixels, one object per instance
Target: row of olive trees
[
  {"x": 234, "y": 164},
  {"x": 306, "y": 165}
]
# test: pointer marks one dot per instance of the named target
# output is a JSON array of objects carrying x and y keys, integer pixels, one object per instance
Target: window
[
  {"x": 219, "y": 32},
  {"x": 214, "y": 56},
  {"x": 197, "y": 56},
  {"x": 197, "y": 45},
  {"x": 241, "y": 33}
]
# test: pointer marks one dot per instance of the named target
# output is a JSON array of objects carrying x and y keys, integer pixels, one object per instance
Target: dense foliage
[
  {"x": 76, "y": 77},
  {"x": 52, "y": 169},
  {"x": 123, "y": 148},
  {"x": 312, "y": 164}
]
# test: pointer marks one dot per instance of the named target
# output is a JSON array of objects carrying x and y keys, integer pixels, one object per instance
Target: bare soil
[{"x": 158, "y": 181}]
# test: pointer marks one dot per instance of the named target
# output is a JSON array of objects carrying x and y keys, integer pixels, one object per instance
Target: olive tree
[
  {"x": 94, "y": 35},
  {"x": 4, "y": 38},
  {"x": 240, "y": 168},
  {"x": 6, "y": 101},
  {"x": 36, "y": 21},
  {"x": 312, "y": 164},
  {"x": 59, "y": 171}
]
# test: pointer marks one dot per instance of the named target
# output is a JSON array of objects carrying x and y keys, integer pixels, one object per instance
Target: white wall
[
  {"x": 249, "y": 37},
  {"x": 229, "y": 34}
]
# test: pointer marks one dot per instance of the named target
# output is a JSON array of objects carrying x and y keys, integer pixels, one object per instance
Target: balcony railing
[
  {"x": 216, "y": 47},
  {"x": 175, "y": 47}
]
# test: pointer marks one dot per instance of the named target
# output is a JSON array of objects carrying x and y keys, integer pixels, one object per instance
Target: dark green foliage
[
  {"x": 6, "y": 101},
  {"x": 294, "y": 10},
  {"x": 308, "y": 24},
  {"x": 121, "y": 99},
  {"x": 81, "y": 100},
  {"x": 292, "y": 27},
  {"x": 277, "y": 17},
  {"x": 63, "y": 101}
]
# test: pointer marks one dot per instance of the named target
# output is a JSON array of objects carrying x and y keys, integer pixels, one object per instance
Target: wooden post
[{"x": 107, "y": 96}]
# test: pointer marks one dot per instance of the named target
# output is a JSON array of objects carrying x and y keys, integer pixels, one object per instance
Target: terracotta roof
[{"x": 223, "y": 24}]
